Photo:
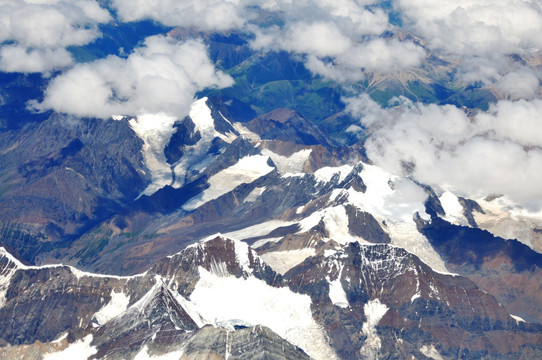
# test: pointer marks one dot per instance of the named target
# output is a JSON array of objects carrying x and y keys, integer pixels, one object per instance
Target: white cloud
[
  {"x": 510, "y": 79},
  {"x": 353, "y": 16},
  {"x": 480, "y": 34},
  {"x": 161, "y": 76},
  {"x": 494, "y": 152},
  {"x": 517, "y": 121},
  {"x": 339, "y": 55},
  {"x": 377, "y": 55},
  {"x": 475, "y": 27},
  {"x": 36, "y": 33},
  {"x": 381, "y": 55},
  {"x": 319, "y": 39},
  {"x": 217, "y": 15},
  {"x": 16, "y": 58},
  {"x": 338, "y": 37},
  {"x": 521, "y": 84}
]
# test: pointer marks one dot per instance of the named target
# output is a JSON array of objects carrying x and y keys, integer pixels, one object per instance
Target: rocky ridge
[
  {"x": 366, "y": 300},
  {"x": 294, "y": 201}
]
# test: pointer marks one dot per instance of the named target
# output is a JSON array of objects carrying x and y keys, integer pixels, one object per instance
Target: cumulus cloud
[
  {"x": 481, "y": 34},
  {"x": 36, "y": 33},
  {"x": 332, "y": 50},
  {"x": 16, "y": 58},
  {"x": 516, "y": 121},
  {"x": 217, "y": 15},
  {"x": 343, "y": 40},
  {"x": 161, "y": 76},
  {"x": 318, "y": 38},
  {"x": 520, "y": 84},
  {"x": 495, "y": 152},
  {"x": 338, "y": 39},
  {"x": 353, "y": 16},
  {"x": 346, "y": 61},
  {"x": 510, "y": 79},
  {"x": 475, "y": 27}
]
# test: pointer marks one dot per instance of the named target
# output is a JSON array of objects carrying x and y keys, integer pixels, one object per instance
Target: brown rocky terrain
[{"x": 370, "y": 300}]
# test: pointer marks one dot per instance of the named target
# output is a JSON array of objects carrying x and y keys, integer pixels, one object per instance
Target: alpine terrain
[{"x": 354, "y": 179}]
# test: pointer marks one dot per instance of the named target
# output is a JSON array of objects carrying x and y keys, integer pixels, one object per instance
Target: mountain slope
[{"x": 355, "y": 302}]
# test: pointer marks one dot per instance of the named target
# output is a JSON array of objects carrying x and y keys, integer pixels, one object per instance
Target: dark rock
[
  {"x": 157, "y": 316},
  {"x": 482, "y": 257},
  {"x": 364, "y": 225},
  {"x": 469, "y": 206},
  {"x": 183, "y": 136},
  {"x": 287, "y": 125},
  {"x": 424, "y": 307},
  {"x": 258, "y": 343},
  {"x": 68, "y": 174}
]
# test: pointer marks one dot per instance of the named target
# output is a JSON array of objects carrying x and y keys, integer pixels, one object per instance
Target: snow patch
[
  {"x": 335, "y": 194},
  {"x": 143, "y": 354},
  {"x": 201, "y": 116},
  {"x": 246, "y": 170},
  {"x": 242, "y": 256},
  {"x": 311, "y": 221},
  {"x": 60, "y": 338},
  {"x": 80, "y": 349},
  {"x": 202, "y": 119},
  {"x": 517, "y": 318},
  {"x": 244, "y": 132},
  {"x": 290, "y": 175},
  {"x": 431, "y": 352},
  {"x": 335, "y": 221},
  {"x": 407, "y": 236},
  {"x": 230, "y": 300},
  {"x": 504, "y": 219},
  {"x": 388, "y": 196},
  {"x": 328, "y": 253},
  {"x": 325, "y": 174},
  {"x": 264, "y": 241},
  {"x": 452, "y": 208},
  {"x": 374, "y": 311},
  {"x": 257, "y": 230},
  {"x": 116, "y": 306},
  {"x": 254, "y": 194},
  {"x": 80, "y": 274},
  {"x": 289, "y": 164},
  {"x": 155, "y": 130},
  {"x": 190, "y": 309},
  {"x": 282, "y": 261},
  {"x": 337, "y": 294}
]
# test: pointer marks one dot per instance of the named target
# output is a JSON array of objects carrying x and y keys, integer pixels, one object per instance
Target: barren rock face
[
  {"x": 423, "y": 308},
  {"x": 505, "y": 268},
  {"x": 369, "y": 300},
  {"x": 243, "y": 195}
]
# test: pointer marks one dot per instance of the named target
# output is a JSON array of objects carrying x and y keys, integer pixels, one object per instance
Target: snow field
[
  {"x": 246, "y": 170},
  {"x": 230, "y": 300}
]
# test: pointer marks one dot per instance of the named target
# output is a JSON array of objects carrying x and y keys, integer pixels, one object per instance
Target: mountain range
[{"x": 251, "y": 203}]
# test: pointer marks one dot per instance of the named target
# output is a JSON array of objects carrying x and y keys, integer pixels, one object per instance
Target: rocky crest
[
  {"x": 421, "y": 308},
  {"x": 369, "y": 300}
]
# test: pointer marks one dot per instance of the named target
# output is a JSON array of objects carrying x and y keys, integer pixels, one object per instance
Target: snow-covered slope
[
  {"x": 246, "y": 170},
  {"x": 345, "y": 303}
]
